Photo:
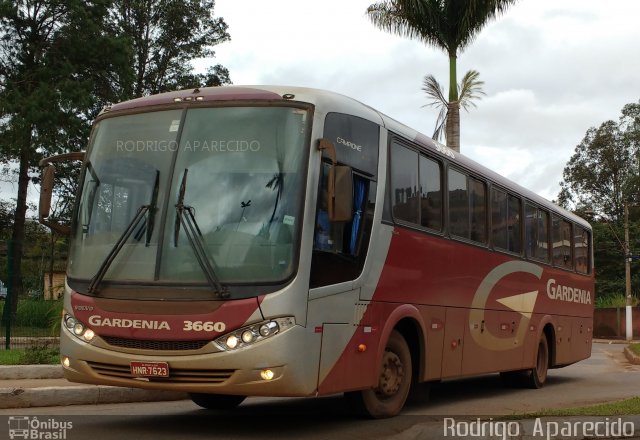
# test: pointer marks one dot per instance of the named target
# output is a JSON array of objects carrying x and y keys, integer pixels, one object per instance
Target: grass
[
  {"x": 620, "y": 408},
  {"x": 37, "y": 318},
  {"x": 613, "y": 301},
  {"x": 37, "y": 354},
  {"x": 635, "y": 348}
]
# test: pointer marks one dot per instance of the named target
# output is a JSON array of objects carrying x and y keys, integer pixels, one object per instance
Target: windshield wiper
[
  {"x": 133, "y": 224},
  {"x": 117, "y": 247},
  {"x": 185, "y": 216}
]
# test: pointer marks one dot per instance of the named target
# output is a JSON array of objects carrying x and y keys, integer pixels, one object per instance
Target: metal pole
[
  {"x": 627, "y": 273},
  {"x": 7, "y": 312}
]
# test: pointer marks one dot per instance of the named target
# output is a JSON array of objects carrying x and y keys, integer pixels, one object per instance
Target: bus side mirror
[
  {"x": 46, "y": 190},
  {"x": 340, "y": 193},
  {"x": 340, "y": 188}
]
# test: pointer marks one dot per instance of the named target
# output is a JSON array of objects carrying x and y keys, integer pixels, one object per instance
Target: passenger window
[
  {"x": 536, "y": 233},
  {"x": 404, "y": 184},
  {"x": 561, "y": 234},
  {"x": 581, "y": 250},
  {"x": 458, "y": 204},
  {"x": 478, "y": 207},
  {"x": 506, "y": 222},
  {"x": 430, "y": 194},
  {"x": 467, "y": 207}
]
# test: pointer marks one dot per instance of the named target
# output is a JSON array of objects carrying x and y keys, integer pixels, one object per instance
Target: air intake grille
[
  {"x": 175, "y": 375},
  {"x": 154, "y": 345}
]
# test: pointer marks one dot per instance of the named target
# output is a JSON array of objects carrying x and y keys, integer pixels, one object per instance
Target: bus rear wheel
[
  {"x": 390, "y": 395},
  {"x": 219, "y": 402},
  {"x": 534, "y": 377},
  {"x": 537, "y": 376}
]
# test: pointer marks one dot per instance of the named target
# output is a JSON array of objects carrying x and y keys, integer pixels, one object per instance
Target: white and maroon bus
[{"x": 281, "y": 241}]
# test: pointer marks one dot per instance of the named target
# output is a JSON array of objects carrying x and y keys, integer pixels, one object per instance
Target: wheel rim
[{"x": 392, "y": 375}]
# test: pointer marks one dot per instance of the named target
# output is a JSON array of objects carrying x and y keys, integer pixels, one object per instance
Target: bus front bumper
[{"x": 282, "y": 365}]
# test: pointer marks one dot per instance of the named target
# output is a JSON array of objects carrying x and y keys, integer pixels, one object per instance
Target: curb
[
  {"x": 80, "y": 395},
  {"x": 15, "y": 372},
  {"x": 71, "y": 394},
  {"x": 631, "y": 356}
]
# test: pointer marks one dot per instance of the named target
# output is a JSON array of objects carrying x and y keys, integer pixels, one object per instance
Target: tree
[
  {"x": 450, "y": 25},
  {"x": 602, "y": 174},
  {"x": 469, "y": 90},
  {"x": 47, "y": 81},
  {"x": 165, "y": 36}
]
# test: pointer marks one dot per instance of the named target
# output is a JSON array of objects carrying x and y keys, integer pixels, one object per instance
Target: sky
[{"x": 552, "y": 69}]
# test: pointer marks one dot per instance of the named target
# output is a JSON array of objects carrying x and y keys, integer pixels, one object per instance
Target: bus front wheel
[
  {"x": 216, "y": 401},
  {"x": 390, "y": 394}
]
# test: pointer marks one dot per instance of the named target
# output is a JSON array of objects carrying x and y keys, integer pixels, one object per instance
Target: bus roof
[{"x": 326, "y": 102}]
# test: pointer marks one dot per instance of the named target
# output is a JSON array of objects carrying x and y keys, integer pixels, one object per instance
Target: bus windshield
[{"x": 245, "y": 168}]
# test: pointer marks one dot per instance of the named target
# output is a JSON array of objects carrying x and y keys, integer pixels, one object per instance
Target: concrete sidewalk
[{"x": 24, "y": 386}]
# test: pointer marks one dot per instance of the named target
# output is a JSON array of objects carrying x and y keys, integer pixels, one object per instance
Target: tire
[
  {"x": 218, "y": 402},
  {"x": 394, "y": 383},
  {"x": 537, "y": 376}
]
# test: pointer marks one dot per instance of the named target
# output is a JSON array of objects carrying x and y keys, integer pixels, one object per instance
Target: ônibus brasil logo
[{"x": 32, "y": 428}]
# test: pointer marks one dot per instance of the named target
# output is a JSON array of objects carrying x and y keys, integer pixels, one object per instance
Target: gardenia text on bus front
[{"x": 212, "y": 146}]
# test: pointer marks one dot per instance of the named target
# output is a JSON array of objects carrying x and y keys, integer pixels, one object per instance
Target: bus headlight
[
  {"x": 77, "y": 328},
  {"x": 251, "y": 334}
]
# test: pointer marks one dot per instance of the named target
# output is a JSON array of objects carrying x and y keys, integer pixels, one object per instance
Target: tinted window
[
  {"x": 478, "y": 208},
  {"x": 430, "y": 194},
  {"x": 561, "y": 235},
  {"x": 581, "y": 250},
  {"x": 356, "y": 141},
  {"x": 458, "y": 204},
  {"x": 506, "y": 222},
  {"x": 536, "y": 233},
  {"x": 404, "y": 184}
]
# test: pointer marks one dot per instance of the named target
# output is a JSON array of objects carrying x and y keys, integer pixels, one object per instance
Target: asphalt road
[{"x": 606, "y": 376}]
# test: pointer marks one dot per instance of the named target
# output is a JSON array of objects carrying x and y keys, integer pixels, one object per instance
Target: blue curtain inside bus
[{"x": 359, "y": 189}]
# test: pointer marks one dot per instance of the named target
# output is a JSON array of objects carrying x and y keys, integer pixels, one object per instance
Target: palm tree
[
  {"x": 469, "y": 90},
  {"x": 450, "y": 25}
]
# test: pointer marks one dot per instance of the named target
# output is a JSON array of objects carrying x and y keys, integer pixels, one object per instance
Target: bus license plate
[{"x": 149, "y": 369}]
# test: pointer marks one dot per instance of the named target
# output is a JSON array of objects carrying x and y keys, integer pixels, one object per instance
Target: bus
[{"x": 284, "y": 241}]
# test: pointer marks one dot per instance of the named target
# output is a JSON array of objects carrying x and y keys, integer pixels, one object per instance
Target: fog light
[
  {"x": 66, "y": 362},
  {"x": 232, "y": 341},
  {"x": 267, "y": 374}
]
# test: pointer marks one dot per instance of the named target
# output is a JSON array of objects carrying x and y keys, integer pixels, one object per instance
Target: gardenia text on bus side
[{"x": 566, "y": 293}]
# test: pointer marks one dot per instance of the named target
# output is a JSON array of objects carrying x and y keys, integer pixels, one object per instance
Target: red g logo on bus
[{"x": 522, "y": 303}]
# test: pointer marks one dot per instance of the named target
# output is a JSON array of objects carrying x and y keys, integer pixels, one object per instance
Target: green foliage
[
  {"x": 623, "y": 407},
  {"x": 469, "y": 89},
  {"x": 602, "y": 175},
  {"x": 40, "y": 353},
  {"x": 11, "y": 357},
  {"x": 164, "y": 37},
  {"x": 43, "y": 354},
  {"x": 38, "y": 313},
  {"x": 603, "y": 302},
  {"x": 450, "y": 25}
]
